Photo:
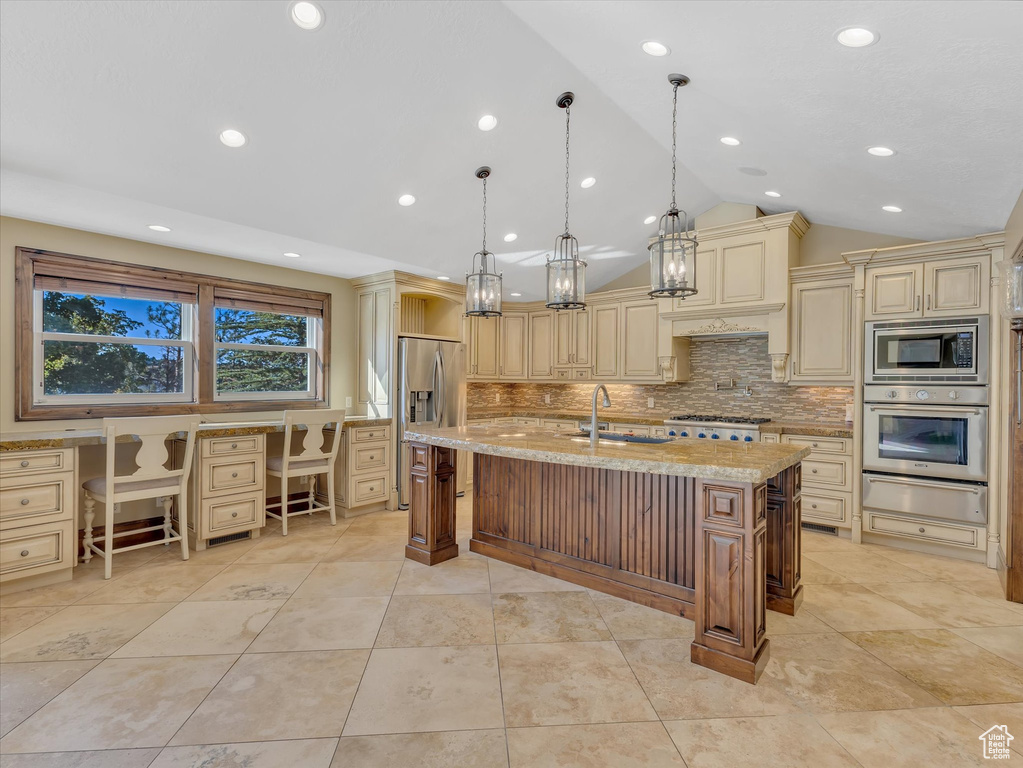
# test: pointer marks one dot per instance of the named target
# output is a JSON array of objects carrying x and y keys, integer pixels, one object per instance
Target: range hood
[
  {"x": 770, "y": 321},
  {"x": 720, "y": 327}
]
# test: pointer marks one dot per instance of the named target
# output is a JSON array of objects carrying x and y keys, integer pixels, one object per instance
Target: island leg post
[
  {"x": 784, "y": 537},
  {"x": 731, "y": 589},
  {"x": 432, "y": 497}
]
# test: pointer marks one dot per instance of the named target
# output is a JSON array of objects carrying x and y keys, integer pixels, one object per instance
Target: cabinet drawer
[
  {"x": 925, "y": 530},
  {"x": 563, "y": 374},
  {"x": 370, "y": 457},
  {"x": 769, "y": 437},
  {"x": 367, "y": 489},
  {"x": 820, "y": 444},
  {"x": 31, "y": 503},
  {"x": 526, "y": 421},
  {"x": 235, "y": 513},
  {"x": 28, "y": 462},
  {"x": 581, "y": 373},
  {"x": 560, "y": 424},
  {"x": 221, "y": 446},
  {"x": 36, "y": 549},
  {"x": 369, "y": 434},
  {"x": 231, "y": 476},
  {"x": 832, "y": 508},
  {"x": 820, "y": 471}
]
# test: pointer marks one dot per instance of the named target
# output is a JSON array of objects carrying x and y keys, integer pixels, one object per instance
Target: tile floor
[{"x": 327, "y": 649}]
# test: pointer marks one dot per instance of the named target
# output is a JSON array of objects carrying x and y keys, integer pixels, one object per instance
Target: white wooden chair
[
  {"x": 150, "y": 480},
  {"x": 316, "y": 457}
]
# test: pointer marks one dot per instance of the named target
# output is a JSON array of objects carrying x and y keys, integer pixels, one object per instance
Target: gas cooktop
[{"x": 717, "y": 419}]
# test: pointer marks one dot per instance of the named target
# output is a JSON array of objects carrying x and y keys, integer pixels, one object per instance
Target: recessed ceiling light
[
  {"x": 516, "y": 294},
  {"x": 487, "y": 123},
  {"x": 293, "y": 255},
  {"x": 511, "y": 237},
  {"x": 730, "y": 141},
  {"x": 881, "y": 151},
  {"x": 233, "y": 138},
  {"x": 856, "y": 37},
  {"x": 406, "y": 200},
  {"x": 443, "y": 277},
  {"x": 159, "y": 228},
  {"x": 772, "y": 193},
  {"x": 649, "y": 219},
  {"x": 891, "y": 208},
  {"x": 307, "y": 15},
  {"x": 655, "y": 49},
  {"x": 588, "y": 182}
]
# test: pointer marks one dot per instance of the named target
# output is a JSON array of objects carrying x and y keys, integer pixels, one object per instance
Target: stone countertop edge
[
  {"x": 809, "y": 428},
  {"x": 26, "y": 441},
  {"x": 709, "y": 462}
]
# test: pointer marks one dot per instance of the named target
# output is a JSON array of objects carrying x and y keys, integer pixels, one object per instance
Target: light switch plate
[
  {"x": 546, "y": 399},
  {"x": 348, "y": 402}
]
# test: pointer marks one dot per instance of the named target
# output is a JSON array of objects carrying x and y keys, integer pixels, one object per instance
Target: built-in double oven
[{"x": 925, "y": 418}]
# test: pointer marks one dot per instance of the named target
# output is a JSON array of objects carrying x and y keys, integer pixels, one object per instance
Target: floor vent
[
  {"x": 229, "y": 538},
  {"x": 831, "y": 531}
]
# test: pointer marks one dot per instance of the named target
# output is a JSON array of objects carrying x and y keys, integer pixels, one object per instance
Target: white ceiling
[{"x": 109, "y": 115}]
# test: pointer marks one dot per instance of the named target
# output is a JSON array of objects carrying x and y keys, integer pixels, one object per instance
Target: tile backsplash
[{"x": 744, "y": 359}]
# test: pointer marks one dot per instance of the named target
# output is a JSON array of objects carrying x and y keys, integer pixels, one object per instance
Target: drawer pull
[
  {"x": 234, "y": 514},
  {"x": 234, "y": 474},
  {"x": 24, "y": 502},
  {"x": 372, "y": 488},
  {"x": 24, "y": 553},
  {"x": 814, "y": 471},
  {"x": 371, "y": 457},
  {"x": 923, "y": 530},
  {"x": 814, "y": 445},
  {"x": 24, "y": 462},
  {"x": 814, "y": 506},
  {"x": 234, "y": 445}
]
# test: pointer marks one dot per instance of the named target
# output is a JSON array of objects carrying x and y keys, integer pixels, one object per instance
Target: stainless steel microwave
[{"x": 945, "y": 350}]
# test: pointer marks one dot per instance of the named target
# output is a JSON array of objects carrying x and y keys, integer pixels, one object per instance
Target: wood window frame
[{"x": 27, "y": 260}]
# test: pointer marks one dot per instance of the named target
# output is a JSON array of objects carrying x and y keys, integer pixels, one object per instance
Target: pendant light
[
  {"x": 566, "y": 272},
  {"x": 673, "y": 254},
  {"x": 483, "y": 287}
]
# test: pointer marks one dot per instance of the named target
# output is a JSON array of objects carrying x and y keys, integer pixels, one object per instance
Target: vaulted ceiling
[{"x": 110, "y": 112}]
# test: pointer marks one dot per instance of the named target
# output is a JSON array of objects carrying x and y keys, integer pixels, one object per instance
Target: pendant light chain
[
  {"x": 568, "y": 119},
  {"x": 674, "y": 130},
  {"x": 484, "y": 214}
]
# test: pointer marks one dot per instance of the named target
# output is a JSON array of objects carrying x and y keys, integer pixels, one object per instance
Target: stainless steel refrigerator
[{"x": 431, "y": 392}]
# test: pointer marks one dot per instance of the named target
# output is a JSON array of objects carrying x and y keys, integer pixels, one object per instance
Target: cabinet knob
[
  {"x": 24, "y": 553},
  {"x": 24, "y": 462},
  {"x": 922, "y": 530},
  {"x": 814, "y": 506},
  {"x": 24, "y": 502},
  {"x": 814, "y": 471},
  {"x": 372, "y": 488},
  {"x": 234, "y": 474},
  {"x": 234, "y": 445},
  {"x": 371, "y": 457},
  {"x": 234, "y": 514},
  {"x": 814, "y": 444}
]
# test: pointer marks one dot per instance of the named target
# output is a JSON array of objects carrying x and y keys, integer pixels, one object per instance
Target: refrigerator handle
[{"x": 439, "y": 387}]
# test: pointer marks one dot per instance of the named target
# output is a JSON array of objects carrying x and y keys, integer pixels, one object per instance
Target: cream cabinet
[
  {"x": 572, "y": 344},
  {"x": 639, "y": 321},
  {"x": 605, "y": 346},
  {"x": 374, "y": 345},
  {"x": 541, "y": 345},
  {"x": 514, "y": 345},
  {"x": 38, "y": 534},
  {"x": 822, "y": 332},
  {"x": 827, "y": 479},
  {"x": 483, "y": 347},
  {"x": 629, "y": 429},
  {"x": 939, "y": 288},
  {"x": 706, "y": 279},
  {"x": 363, "y": 471}
]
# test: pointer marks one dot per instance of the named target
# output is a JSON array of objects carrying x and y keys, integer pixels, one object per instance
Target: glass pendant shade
[
  {"x": 483, "y": 289},
  {"x": 673, "y": 257},
  {"x": 566, "y": 275},
  {"x": 1012, "y": 289}
]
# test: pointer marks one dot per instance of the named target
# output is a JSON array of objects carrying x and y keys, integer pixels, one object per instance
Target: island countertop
[{"x": 717, "y": 460}]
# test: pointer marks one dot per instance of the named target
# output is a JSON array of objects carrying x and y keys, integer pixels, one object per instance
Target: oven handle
[
  {"x": 910, "y": 481},
  {"x": 928, "y": 408}
]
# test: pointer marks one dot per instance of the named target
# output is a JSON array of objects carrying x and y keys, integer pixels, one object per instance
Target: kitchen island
[{"x": 705, "y": 530}]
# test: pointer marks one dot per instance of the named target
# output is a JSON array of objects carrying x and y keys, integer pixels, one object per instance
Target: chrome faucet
[{"x": 593, "y": 421}]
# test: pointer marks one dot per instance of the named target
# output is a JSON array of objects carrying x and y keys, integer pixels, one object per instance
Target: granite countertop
[
  {"x": 70, "y": 438},
  {"x": 810, "y": 428},
  {"x": 650, "y": 419},
  {"x": 735, "y": 462}
]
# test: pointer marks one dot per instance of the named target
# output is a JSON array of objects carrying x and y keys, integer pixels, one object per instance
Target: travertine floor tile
[
  {"x": 14, "y": 620},
  {"x": 24, "y": 688},
  {"x": 424, "y": 620},
  {"x": 622, "y": 745},
  {"x": 818, "y": 542},
  {"x": 202, "y": 629},
  {"x": 781, "y": 741},
  {"x": 986, "y": 715},
  {"x": 987, "y": 589},
  {"x": 455, "y": 577},
  {"x": 864, "y": 567},
  {"x": 122, "y": 703},
  {"x": 940, "y": 568},
  {"x": 511, "y": 578},
  {"x": 82, "y": 632},
  {"x": 271, "y": 696},
  {"x": 116, "y": 758},
  {"x": 377, "y": 525},
  {"x": 350, "y": 580},
  {"x": 448, "y": 749},
  {"x": 254, "y": 582},
  {"x": 813, "y": 572},
  {"x": 679, "y": 689},
  {"x": 803, "y": 623},
  {"x": 363, "y": 548},
  {"x": 64, "y": 593},
  {"x": 1006, "y": 642},
  {"x": 547, "y": 617},
  {"x": 631, "y": 621},
  {"x": 222, "y": 554},
  {"x": 409, "y": 690},
  {"x": 944, "y": 604},
  {"x": 323, "y": 624},
  {"x": 950, "y": 667},
  {"x": 306, "y": 753},
  {"x": 828, "y": 673},
  {"x": 570, "y": 683},
  {"x": 153, "y": 583},
  {"x": 288, "y": 549},
  {"x": 937, "y": 738},
  {"x": 854, "y": 608}
]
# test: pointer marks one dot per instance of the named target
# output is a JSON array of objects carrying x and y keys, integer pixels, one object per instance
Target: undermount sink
[{"x": 618, "y": 437}]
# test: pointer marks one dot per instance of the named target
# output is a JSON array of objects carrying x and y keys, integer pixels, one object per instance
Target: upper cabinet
[
  {"x": 606, "y": 343},
  {"x": 514, "y": 345},
  {"x": 706, "y": 279},
  {"x": 374, "y": 347},
  {"x": 639, "y": 321},
  {"x": 822, "y": 335},
  {"x": 939, "y": 288},
  {"x": 482, "y": 347},
  {"x": 541, "y": 345}
]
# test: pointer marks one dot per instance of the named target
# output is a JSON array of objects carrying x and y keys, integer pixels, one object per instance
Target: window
[{"x": 100, "y": 338}]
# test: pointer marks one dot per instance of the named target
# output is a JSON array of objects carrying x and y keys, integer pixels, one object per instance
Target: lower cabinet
[
  {"x": 827, "y": 478},
  {"x": 363, "y": 472}
]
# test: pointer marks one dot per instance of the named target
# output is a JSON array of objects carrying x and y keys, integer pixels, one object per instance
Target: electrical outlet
[
  {"x": 348, "y": 402},
  {"x": 546, "y": 399},
  {"x": 498, "y": 396},
  {"x": 649, "y": 402}
]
